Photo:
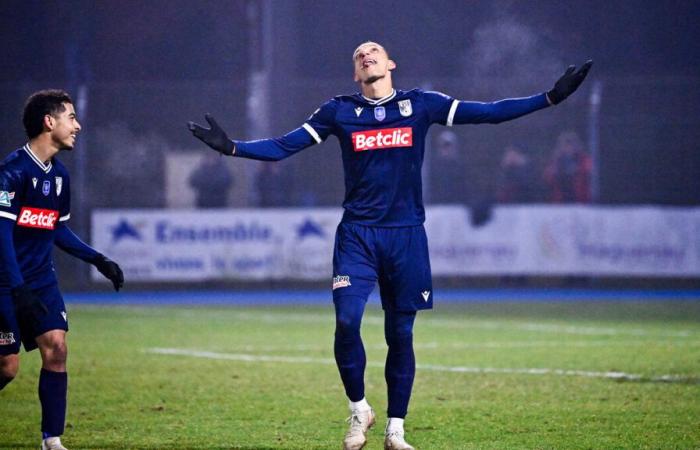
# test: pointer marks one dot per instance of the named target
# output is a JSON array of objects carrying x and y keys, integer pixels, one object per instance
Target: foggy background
[{"x": 139, "y": 70}]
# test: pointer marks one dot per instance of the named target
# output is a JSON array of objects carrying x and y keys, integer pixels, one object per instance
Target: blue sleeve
[
  {"x": 275, "y": 149},
  {"x": 67, "y": 241},
  {"x": 9, "y": 268},
  {"x": 497, "y": 112},
  {"x": 438, "y": 106},
  {"x": 316, "y": 129},
  {"x": 448, "y": 111},
  {"x": 10, "y": 193}
]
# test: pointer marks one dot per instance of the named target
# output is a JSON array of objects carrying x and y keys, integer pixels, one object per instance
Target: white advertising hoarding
[{"x": 259, "y": 244}]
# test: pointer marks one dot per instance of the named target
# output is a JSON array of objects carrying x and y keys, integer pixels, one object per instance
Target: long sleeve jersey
[
  {"x": 34, "y": 211},
  {"x": 383, "y": 146}
]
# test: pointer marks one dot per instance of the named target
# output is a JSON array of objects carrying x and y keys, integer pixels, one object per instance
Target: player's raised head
[
  {"x": 371, "y": 62},
  {"x": 50, "y": 102},
  {"x": 366, "y": 46}
]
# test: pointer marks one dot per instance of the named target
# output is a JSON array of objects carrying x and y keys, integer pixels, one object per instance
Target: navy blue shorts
[
  {"x": 396, "y": 258},
  {"x": 10, "y": 332}
]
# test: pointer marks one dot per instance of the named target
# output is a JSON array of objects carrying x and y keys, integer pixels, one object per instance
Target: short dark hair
[{"x": 38, "y": 105}]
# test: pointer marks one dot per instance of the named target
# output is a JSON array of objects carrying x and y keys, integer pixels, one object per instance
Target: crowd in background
[{"x": 564, "y": 176}]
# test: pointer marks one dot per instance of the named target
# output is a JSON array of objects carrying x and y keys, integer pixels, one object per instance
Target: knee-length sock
[
  {"x": 348, "y": 348},
  {"x": 400, "y": 368}
]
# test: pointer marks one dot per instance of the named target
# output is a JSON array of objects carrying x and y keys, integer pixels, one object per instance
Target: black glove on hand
[
  {"x": 568, "y": 83},
  {"x": 29, "y": 308},
  {"x": 110, "y": 270},
  {"x": 214, "y": 137}
]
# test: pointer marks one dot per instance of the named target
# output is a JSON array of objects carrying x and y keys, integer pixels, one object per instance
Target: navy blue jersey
[
  {"x": 36, "y": 197},
  {"x": 383, "y": 145}
]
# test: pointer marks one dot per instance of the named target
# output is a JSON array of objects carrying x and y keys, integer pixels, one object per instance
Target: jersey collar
[
  {"x": 45, "y": 167},
  {"x": 379, "y": 101}
]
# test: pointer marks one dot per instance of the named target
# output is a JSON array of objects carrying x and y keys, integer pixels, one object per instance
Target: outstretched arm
[
  {"x": 316, "y": 128},
  {"x": 67, "y": 241},
  {"x": 496, "y": 112},
  {"x": 263, "y": 149}
]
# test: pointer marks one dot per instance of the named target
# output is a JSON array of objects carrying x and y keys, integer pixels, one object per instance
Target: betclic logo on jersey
[
  {"x": 37, "y": 218},
  {"x": 381, "y": 139}
]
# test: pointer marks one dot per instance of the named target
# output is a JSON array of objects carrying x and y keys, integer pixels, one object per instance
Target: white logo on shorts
[
  {"x": 7, "y": 338},
  {"x": 426, "y": 295},
  {"x": 65, "y": 316},
  {"x": 341, "y": 281}
]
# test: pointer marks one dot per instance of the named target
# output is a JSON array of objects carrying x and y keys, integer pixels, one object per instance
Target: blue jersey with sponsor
[
  {"x": 383, "y": 145},
  {"x": 36, "y": 197}
]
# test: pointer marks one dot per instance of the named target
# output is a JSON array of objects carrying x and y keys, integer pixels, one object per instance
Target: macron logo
[
  {"x": 426, "y": 295},
  {"x": 37, "y": 218},
  {"x": 381, "y": 139}
]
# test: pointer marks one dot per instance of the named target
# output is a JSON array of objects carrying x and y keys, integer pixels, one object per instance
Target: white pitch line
[
  {"x": 427, "y": 321},
  {"x": 497, "y": 345},
  {"x": 430, "y": 367}
]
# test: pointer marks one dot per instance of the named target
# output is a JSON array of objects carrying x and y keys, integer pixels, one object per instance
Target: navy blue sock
[
  {"x": 53, "y": 389},
  {"x": 400, "y": 368},
  {"x": 349, "y": 351}
]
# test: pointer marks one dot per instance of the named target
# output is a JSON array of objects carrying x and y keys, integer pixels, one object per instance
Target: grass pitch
[{"x": 559, "y": 375}]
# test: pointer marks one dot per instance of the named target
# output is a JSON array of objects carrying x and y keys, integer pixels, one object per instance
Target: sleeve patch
[{"x": 6, "y": 198}]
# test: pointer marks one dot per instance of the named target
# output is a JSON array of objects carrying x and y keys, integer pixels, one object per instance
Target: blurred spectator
[
  {"x": 568, "y": 172},
  {"x": 448, "y": 170},
  {"x": 273, "y": 184},
  {"x": 136, "y": 168},
  {"x": 211, "y": 181},
  {"x": 517, "y": 181}
]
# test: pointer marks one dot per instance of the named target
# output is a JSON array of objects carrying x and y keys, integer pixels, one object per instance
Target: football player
[
  {"x": 34, "y": 215},
  {"x": 381, "y": 239}
]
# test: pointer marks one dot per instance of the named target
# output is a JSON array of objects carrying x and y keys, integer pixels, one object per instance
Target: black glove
[
  {"x": 110, "y": 270},
  {"x": 29, "y": 308},
  {"x": 214, "y": 137},
  {"x": 568, "y": 83}
]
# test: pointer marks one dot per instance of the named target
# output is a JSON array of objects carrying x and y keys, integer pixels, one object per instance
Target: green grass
[{"x": 122, "y": 396}]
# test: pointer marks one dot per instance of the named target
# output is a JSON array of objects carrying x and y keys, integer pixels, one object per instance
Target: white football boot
[
  {"x": 360, "y": 423},
  {"x": 394, "y": 440},
  {"x": 52, "y": 443}
]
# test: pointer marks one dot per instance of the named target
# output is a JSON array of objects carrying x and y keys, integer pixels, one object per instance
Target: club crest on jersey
[
  {"x": 34, "y": 181},
  {"x": 46, "y": 187},
  {"x": 379, "y": 113},
  {"x": 341, "y": 281},
  {"x": 358, "y": 111},
  {"x": 405, "y": 108},
  {"x": 6, "y": 198},
  {"x": 59, "y": 185}
]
